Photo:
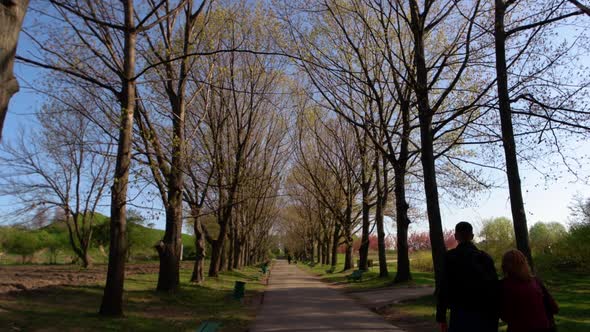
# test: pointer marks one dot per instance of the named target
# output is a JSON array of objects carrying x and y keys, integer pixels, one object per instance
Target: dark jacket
[
  {"x": 523, "y": 306},
  {"x": 469, "y": 282}
]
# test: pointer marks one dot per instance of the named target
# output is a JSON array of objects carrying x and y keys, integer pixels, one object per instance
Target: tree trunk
[
  {"x": 217, "y": 247},
  {"x": 169, "y": 252},
  {"x": 335, "y": 241},
  {"x": 326, "y": 258},
  {"x": 231, "y": 242},
  {"x": 319, "y": 252},
  {"x": 364, "y": 248},
  {"x": 243, "y": 253},
  {"x": 112, "y": 301},
  {"x": 348, "y": 257},
  {"x": 247, "y": 261},
  {"x": 169, "y": 248},
  {"x": 236, "y": 253},
  {"x": 198, "y": 270},
  {"x": 215, "y": 257},
  {"x": 516, "y": 200},
  {"x": 12, "y": 14},
  {"x": 223, "y": 258},
  {"x": 311, "y": 250},
  {"x": 401, "y": 210},
  {"x": 426, "y": 140},
  {"x": 85, "y": 260},
  {"x": 381, "y": 201}
]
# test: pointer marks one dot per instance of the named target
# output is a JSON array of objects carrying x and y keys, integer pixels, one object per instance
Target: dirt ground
[{"x": 30, "y": 277}]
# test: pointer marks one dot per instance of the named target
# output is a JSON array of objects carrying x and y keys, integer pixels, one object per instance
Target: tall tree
[
  {"x": 106, "y": 47},
  {"x": 549, "y": 14},
  {"x": 327, "y": 157},
  {"x": 167, "y": 160},
  {"x": 363, "y": 47},
  {"x": 244, "y": 90},
  {"x": 434, "y": 66}
]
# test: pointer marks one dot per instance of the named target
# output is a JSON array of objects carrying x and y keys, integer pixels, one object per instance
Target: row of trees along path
[
  {"x": 194, "y": 113},
  {"x": 345, "y": 108}
]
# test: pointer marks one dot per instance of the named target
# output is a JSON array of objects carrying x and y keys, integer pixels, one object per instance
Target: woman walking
[{"x": 526, "y": 304}]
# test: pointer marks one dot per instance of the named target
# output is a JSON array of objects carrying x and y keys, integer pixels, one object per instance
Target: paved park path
[{"x": 298, "y": 301}]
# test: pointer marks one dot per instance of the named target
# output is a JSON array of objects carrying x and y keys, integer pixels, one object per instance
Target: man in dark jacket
[{"x": 469, "y": 287}]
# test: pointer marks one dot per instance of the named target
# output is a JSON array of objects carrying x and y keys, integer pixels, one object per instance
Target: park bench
[
  {"x": 356, "y": 275},
  {"x": 207, "y": 326}
]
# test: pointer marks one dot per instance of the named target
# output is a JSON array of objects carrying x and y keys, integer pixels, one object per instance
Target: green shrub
[
  {"x": 54, "y": 243},
  {"x": 24, "y": 243},
  {"x": 572, "y": 253},
  {"x": 189, "y": 252},
  {"x": 497, "y": 237},
  {"x": 543, "y": 236}
]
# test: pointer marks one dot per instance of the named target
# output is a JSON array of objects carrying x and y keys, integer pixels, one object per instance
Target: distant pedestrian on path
[
  {"x": 526, "y": 305},
  {"x": 469, "y": 287},
  {"x": 289, "y": 258}
]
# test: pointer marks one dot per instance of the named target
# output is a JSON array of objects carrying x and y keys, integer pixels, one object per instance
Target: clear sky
[{"x": 544, "y": 201}]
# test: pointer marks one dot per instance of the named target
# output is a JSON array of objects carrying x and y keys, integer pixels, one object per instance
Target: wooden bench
[
  {"x": 356, "y": 275},
  {"x": 207, "y": 326}
]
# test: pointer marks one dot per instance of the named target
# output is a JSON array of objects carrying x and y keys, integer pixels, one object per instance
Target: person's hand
[{"x": 443, "y": 327}]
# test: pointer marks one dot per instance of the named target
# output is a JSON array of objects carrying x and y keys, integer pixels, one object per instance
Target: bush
[
  {"x": 189, "y": 253},
  {"x": 543, "y": 236},
  {"x": 23, "y": 243},
  {"x": 54, "y": 243},
  {"x": 497, "y": 237},
  {"x": 572, "y": 253}
]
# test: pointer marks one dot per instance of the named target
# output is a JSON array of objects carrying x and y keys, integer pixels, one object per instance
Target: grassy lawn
[
  {"x": 370, "y": 278},
  {"x": 75, "y": 308},
  {"x": 571, "y": 291}
]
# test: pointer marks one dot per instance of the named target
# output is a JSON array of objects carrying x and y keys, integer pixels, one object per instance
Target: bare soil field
[{"x": 14, "y": 278}]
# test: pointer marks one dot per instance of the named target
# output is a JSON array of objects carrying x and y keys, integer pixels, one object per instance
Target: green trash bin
[{"x": 239, "y": 289}]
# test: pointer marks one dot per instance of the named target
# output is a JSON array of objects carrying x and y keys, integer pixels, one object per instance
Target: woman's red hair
[{"x": 515, "y": 265}]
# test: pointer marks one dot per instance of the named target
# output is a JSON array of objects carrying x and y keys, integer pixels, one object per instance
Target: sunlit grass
[
  {"x": 571, "y": 291},
  {"x": 370, "y": 278},
  {"x": 75, "y": 308}
]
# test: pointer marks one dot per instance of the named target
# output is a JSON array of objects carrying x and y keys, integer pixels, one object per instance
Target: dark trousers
[{"x": 465, "y": 320}]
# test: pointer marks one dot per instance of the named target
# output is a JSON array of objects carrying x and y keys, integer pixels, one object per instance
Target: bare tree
[
  {"x": 356, "y": 58},
  {"x": 330, "y": 166},
  {"x": 243, "y": 95},
  {"x": 166, "y": 159},
  {"x": 437, "y": 71},
  {"x": 66, "y": 165},
  {"x": 106, "y": 44},
  {"x": 550, "y": 12}
]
